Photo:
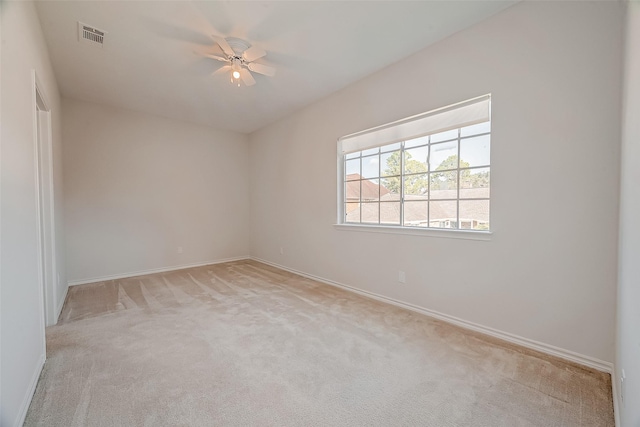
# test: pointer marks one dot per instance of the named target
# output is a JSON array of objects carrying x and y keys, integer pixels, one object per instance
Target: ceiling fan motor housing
[{"x": 238, "y": 45}]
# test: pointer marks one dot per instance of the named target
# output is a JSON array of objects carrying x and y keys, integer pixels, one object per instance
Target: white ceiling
[{"x": 153, "y": 59}]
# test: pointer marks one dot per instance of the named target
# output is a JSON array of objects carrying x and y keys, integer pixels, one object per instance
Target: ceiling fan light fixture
[
  {"x": 235, "y": 68},
  {"x": 240, "y": 56}
]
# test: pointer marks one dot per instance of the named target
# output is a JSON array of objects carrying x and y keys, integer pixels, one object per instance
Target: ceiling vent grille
[{"x": 91, "y": 35}]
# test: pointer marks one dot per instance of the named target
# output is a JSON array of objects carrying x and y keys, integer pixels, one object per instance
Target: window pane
[
  {"x": 371, "y": 167},
  {"x": 352, "y": 212},
  {"x": 474, "y": 214},
  {"x": 444, "y": 156},
  {"x": 370, "y": 190},
  {"x": 352, "y": 191},
  {"x": 370, "y": 213},
  {"x": 476, "y": 129},
  {"x": 352, "y": 155},
  {"x": 352, "y": 169},
  {"x": 444, "y": 185},
  {"x": 416, "y": 187},
  {"x": 371, "y": 151},
  {"x": 390, "y": 147},
  {"x": 415, "y": 214},
  {"x": 415, "y": 160},
  {"x": 423, "y": 140},
  {"x": 390, "y": 213},
  {"x": 391, "y": 186},
  {"x": 444, "y": 136},
  {"x": 475, "y": 151},
  {"x": 389, "y": 196},
  {"x": 474, "y": 183},
  {"x": 390, "y": 163},
  {"x": 443, "y": 214}
]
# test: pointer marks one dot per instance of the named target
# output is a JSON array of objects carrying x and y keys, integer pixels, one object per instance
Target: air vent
[{"x": 91, "y": 35}]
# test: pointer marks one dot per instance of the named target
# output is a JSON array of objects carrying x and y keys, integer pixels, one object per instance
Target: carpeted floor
[{"x": 246, "y": 344}]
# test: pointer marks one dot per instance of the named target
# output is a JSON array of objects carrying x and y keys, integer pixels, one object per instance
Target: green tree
[
  {"x": 478, "y": 180},
  {"x": 413, "y": 184},
  {"x": 451, "y": 162},
  {"x": 447, "y": 180},
  {"x": 444, "y": 177}
]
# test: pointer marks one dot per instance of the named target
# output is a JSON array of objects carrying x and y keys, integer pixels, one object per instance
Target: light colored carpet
[{"x": 246, "y": 344}]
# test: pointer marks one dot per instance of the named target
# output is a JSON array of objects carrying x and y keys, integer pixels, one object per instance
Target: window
[{"x": 430, "y": 170}]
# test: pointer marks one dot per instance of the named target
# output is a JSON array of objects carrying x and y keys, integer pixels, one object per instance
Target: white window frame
[{"x": 456, "y": 116}]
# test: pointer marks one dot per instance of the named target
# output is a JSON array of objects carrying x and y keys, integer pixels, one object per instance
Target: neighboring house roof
[
  {"x": 368, "y": 191},
  {"x": 415, "y": 208}
]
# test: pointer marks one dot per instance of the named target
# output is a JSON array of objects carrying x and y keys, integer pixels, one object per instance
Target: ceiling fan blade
[
  {"x": 218, "y": 57},
  {"x": 253, "y": 53},
  {"x": 222, "y": 70},
  {"x": 222, "y": 42},
  {"x": 262, "y": 69},
  {"x": 246, "y": 77}
]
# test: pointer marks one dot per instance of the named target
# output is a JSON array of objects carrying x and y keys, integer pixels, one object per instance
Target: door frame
[{"x": 45, "y": 202}]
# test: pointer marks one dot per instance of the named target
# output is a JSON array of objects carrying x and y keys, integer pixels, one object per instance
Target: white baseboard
[
  {"x": 614, "y": 389},
  {"x": 26, "y": 401},
  {"x": 152, "y": 271},
  {"x": 571, "y": 356}
]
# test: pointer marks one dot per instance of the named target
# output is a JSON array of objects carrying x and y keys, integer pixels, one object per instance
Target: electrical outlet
[
  {"x": 179, "y": 249},
  {"x": 281, "y": 251},
  {"x": 402, "y": 278}
]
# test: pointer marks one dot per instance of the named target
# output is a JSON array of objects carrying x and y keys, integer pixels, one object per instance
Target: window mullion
[
  {"x": 360, "y": 195},
  {"x": 429, "y": 182},
  {"x": 379, "y": 186},
  {"x": 458, "y": 183},
  {"x": 401, "y": 195}
]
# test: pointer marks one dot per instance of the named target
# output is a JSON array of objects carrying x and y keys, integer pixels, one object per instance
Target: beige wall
[
  {"x": 628, "y": 345},
  {"x": 139, "y": 186},
  {"x": 549, "y": 271},
  {"x": 22, "y": 348}
]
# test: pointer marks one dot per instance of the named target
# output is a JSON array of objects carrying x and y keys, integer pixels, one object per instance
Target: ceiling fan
[{"x": 240, "y": 57}]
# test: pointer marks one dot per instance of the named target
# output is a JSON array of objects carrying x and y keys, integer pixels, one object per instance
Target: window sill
[{"x": 427, "y": 232}]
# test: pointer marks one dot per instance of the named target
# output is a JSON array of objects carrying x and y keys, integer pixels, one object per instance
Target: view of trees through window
[{"x": 437, "y": 181}]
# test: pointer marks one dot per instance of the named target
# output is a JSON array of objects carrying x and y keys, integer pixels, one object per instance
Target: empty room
[{"x": 319, "y": 213}]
